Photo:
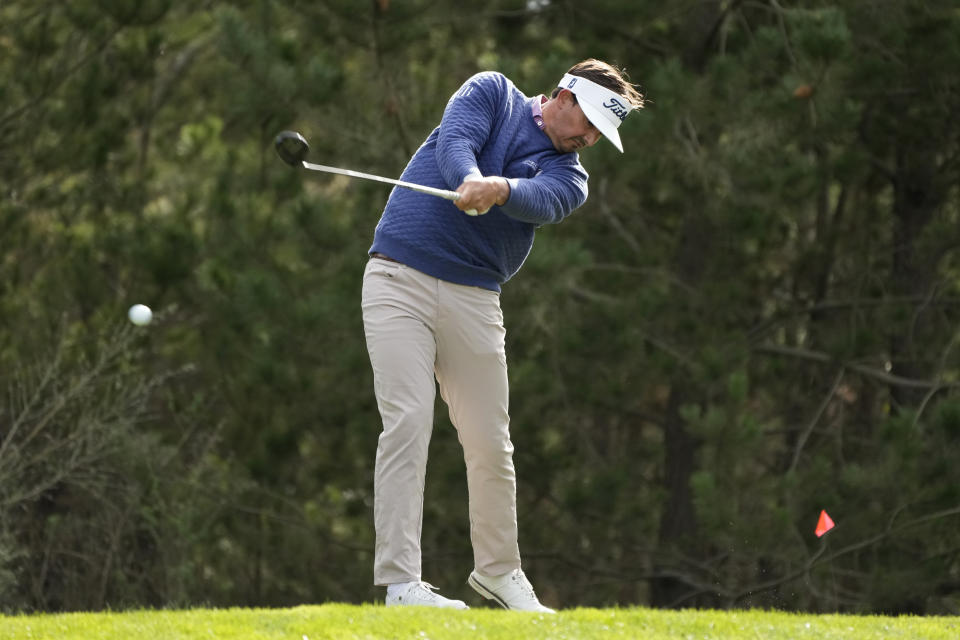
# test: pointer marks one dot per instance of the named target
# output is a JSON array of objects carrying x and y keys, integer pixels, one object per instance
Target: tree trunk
[
  {"x": 916, "y": 200},
  {"x": 678, "y": 523}
]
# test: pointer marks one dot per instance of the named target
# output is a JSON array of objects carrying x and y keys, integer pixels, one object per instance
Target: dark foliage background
[{"x": 753, "y": 318}]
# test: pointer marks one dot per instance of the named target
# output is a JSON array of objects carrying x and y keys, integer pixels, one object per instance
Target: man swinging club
[{"x": 431, "y": 307}]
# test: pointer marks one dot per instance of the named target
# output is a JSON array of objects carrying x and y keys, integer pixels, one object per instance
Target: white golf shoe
[
  {"x": 421, "y": 594},
  {"x": 511, "y": 591}
]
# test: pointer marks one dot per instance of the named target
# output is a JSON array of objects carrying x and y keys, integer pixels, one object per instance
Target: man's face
[{"x": 569, "y": 129}]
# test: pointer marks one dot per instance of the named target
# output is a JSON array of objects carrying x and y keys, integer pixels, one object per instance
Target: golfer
[{"x": 431, "y": 307}]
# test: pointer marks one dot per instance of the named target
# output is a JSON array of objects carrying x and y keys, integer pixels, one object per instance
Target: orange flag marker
[{"x": 824, "y": 525}]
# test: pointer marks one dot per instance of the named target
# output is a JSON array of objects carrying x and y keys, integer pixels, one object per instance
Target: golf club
[{"x": 292, "y": 149}]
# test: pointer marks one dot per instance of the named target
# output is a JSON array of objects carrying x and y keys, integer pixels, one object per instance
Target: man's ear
[{"x": 566, "y": 97}]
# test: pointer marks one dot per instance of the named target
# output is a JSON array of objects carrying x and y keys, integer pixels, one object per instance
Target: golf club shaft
[{"x": 440, "y": 193}]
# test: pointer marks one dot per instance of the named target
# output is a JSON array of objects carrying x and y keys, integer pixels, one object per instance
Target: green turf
[{"x": 375, "y": 621}]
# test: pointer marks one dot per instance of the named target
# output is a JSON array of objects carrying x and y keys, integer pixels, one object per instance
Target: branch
[
  {"x": 24, "y": 412},
  {"x": 816, "y": 418},
  {"x": 615, "y": 222},
  {"x": 853, "y": 303},
  {"x": 386, "y": 77},
  {"x": 819, "y": 557},
  {"x": 870, "y": 372},
  {"x": 783, "y": 30}
]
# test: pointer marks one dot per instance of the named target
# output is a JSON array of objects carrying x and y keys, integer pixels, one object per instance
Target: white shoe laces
[
  {"x": 526, "y": 588},
  {"x": 427, "y": 589}
]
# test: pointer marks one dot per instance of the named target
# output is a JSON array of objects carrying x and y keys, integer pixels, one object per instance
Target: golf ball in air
[{"x": 140, "y": 314}]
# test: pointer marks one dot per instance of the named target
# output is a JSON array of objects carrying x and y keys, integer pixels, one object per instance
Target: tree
[{"x": 750, "y": 320}]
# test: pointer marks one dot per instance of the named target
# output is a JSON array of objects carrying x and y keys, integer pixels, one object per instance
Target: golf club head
[{"x": 291, "y": 147}]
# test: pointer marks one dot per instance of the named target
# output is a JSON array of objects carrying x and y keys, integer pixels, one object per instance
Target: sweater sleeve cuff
[{"x": 513, "y": 183}]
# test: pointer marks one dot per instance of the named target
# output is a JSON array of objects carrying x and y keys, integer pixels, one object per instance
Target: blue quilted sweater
[{"x": 487, "y": 129}]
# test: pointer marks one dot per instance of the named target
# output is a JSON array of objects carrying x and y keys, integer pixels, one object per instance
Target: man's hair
[{"x": 607, "y": 76}]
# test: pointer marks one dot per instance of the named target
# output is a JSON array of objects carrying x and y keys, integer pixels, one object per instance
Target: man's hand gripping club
[{"x": 478, "y": 194}]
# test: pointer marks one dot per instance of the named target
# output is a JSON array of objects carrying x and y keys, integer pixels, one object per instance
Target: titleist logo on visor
[{"x": 619, "y": 109}]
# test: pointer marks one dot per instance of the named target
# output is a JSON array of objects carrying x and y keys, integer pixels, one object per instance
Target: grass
[{"x": 355, "y": 622}]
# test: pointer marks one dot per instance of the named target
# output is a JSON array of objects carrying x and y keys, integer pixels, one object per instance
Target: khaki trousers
[{"x": 419, "y": 327}]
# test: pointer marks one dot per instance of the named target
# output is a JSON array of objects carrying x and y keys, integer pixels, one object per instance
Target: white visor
[{"x": 605, "y": 109}]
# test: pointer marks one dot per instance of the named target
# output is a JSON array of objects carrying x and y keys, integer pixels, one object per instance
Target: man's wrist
[{"x": 503, "y": 191}]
